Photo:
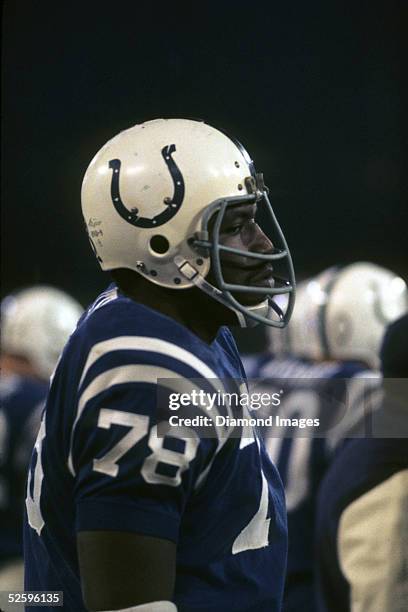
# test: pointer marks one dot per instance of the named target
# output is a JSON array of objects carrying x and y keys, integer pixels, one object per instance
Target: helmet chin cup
[
  {"x": 244, "y": 320},
  {"x": 262, "y": 310}
]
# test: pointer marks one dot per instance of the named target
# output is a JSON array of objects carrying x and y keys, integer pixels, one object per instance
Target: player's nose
[{"x": 260, "y": 242}]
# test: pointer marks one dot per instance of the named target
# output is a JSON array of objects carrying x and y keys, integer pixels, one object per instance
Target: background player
[
  {"x": 180, "y": 519},
  {"x": 329, "y": 352},
  {"x": 35, "y": 324},
  {"x": 362, "y": 520}
]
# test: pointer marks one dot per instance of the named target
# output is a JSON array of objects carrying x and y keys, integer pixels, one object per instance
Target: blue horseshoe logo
[{"x": 172, "y": 204}]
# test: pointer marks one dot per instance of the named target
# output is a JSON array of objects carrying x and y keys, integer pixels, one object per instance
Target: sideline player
[
  {"x": 35, "y": 324},
  {"x": 329, "y": 351},
  {"x": 119, "y": 517},
  {"x": 362, "y": 524}
]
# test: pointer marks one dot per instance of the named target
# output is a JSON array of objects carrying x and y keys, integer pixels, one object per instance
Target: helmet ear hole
[{"x": 159, "y": 244}]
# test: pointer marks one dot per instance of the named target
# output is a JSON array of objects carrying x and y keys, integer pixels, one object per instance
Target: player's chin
[{"x": 249, "y": 299}]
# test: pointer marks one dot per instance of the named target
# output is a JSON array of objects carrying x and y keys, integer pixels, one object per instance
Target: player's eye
[{"x": 234, "y": 230}]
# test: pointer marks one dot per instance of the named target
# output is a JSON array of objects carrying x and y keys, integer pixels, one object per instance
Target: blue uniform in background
[
  {"x": 21, "y": 401},
  {"x": 310, "y": 391},
  {"x": 99, "y": 464}
]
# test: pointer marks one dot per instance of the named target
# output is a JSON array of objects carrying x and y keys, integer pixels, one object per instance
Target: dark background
[{"x": 312, "y": 89}]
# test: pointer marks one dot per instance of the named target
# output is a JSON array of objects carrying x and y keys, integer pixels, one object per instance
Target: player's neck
[
  {"x": 189, "y": 307},
  {"x": 190, "y": 313}
]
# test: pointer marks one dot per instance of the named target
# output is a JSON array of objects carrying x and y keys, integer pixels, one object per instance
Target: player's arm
[{"x": 122, "y": 569}]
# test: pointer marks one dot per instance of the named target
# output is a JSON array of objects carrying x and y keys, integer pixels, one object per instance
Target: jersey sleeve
[{"x": 132, "y": 471}]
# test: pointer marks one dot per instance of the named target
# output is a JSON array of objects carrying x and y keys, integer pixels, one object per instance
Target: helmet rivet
[
  {"x": 199, "y": 262},
  {"x": 167, "y": 200},
  {"x": 240, "y": 187},
  {"x": 237, "y": 164},
  {"x": 153, "y": 272},
  {"x": 140, "y": 265},
  {"x": 177, "y": 281}
]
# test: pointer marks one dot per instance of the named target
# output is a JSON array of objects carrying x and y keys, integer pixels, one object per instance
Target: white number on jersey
[
  {"x": 139, "y": 425},
  {"x": 161, "y": 454}
]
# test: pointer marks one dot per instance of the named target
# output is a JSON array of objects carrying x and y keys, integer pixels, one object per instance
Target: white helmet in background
[
  {"x": 36, "y": 323},
  {"x": 304, "y": 334},
  {"x": 362, "y": 301},
  {"x": 147, "y": 199},
  {"x": 343, "y": 313}
]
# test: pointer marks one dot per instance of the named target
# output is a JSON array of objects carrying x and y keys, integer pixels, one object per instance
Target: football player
[
  {"x": 35, "y": 324},
  {"x": 120, "y": 516},
  {"x": 326, "y": 361},
  {"x": 362, "y": 525}
]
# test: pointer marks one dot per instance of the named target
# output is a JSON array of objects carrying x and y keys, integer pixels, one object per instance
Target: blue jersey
[
  {"x": 309, "y": 391},
  {"x": 21, "y": 401},
  {"x": 362, "y": 528},
  {"x": 100, "y": 464}
]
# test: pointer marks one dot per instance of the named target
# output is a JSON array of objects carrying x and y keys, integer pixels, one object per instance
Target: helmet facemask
[{"x": 208, "y": 242}]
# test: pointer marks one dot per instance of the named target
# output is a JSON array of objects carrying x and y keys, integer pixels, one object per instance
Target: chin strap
[
  {"x": 193, "y": 275},
  {"x": 263, "y": 309}
]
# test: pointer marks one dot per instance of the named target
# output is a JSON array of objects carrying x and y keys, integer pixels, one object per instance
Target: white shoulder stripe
[
  {"x": 104, "y": 298},
  {"x": 130, "y": 374},
  {"x": 146, "y": 343}
]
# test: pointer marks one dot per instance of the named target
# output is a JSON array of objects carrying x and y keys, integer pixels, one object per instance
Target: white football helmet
[
  {"x": 36, "y": 323},
  {"x": 147, "y": 199},
  {"x": 343, "y": 313}
]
